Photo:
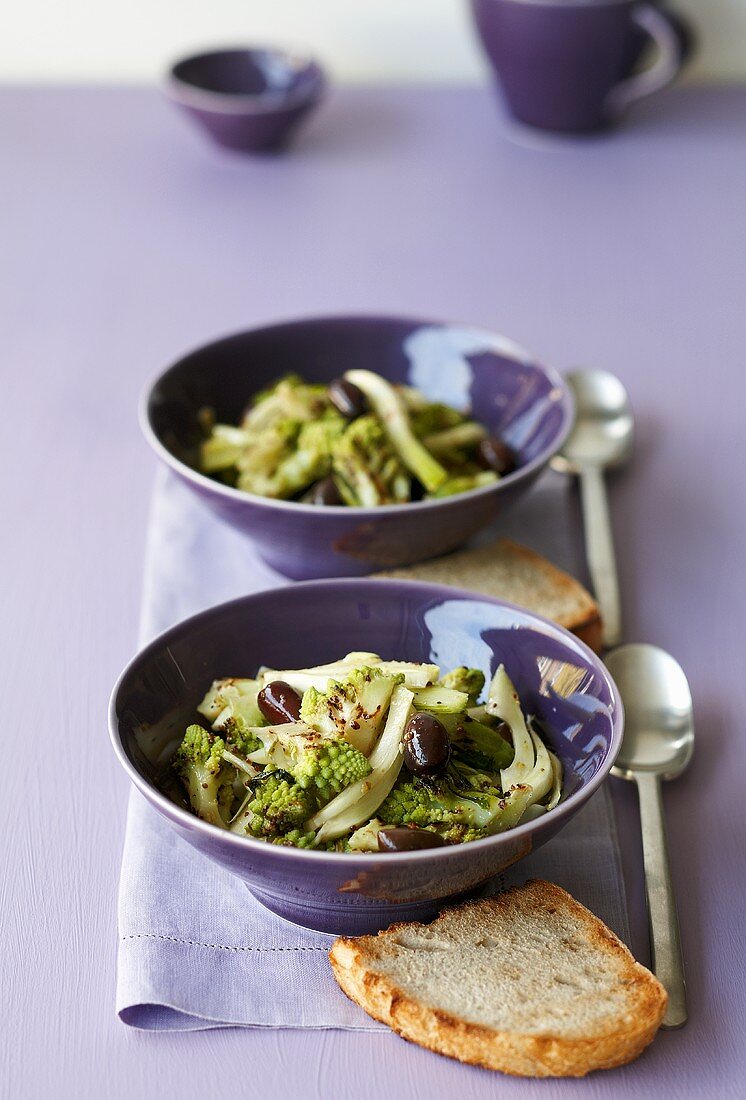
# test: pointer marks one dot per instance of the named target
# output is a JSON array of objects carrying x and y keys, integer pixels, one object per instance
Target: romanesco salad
[
  {"x": 360, "y": 442},
  {"x": 365, "y": 755}
]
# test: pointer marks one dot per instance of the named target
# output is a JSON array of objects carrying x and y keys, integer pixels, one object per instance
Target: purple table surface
[{"x": 126, "y": 241}]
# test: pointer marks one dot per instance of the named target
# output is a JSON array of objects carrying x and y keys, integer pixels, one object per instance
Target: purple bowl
[
  {"x": 529, "y": 405},
  {"x": 352, "y": 893},
  {"x": 247, "y": 99}
]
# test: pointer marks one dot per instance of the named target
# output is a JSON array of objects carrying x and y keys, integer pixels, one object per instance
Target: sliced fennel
[
  {"x": 441, "y": 700},
  {"x": 503, "y": 702},
  {"x": 365, "y": 839},
  {"x": 318, "y": 676},
  {"x": 354, "y": 708},
  {"x": 556, "y": 792},
  {"x": 391, "y": 410},
  {"x": 224, "y": 693},
  {"x": 462, "y": 435},
  {"x": 360, "y": 801},
  {"x": 541, "y": 775},
  {"x": 517, "y": 800}
]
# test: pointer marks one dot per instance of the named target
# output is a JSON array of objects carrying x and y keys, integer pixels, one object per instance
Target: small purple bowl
[
  {"x": 558, "y": 678},
  {"x": 247, "y": 99},
  {"x": 529, "y": 405}
]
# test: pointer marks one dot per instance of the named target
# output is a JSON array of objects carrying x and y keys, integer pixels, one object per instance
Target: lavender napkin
[{"x": 195, "y": 949}]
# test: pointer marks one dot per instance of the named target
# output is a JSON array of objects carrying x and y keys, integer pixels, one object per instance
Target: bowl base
[{"x": 346, "y": 920}]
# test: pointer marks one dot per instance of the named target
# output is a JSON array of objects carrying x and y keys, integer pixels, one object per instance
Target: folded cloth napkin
[{"x": 196, "y": 950}]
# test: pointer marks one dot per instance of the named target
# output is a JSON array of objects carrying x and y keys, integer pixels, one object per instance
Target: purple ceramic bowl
[
  {"x": 247, "y": 99},
  {"x": 529, "y": 405},
  {"x": 558, "y": 678}
]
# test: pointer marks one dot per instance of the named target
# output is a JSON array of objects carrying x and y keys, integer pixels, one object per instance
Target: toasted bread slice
[
  {"x": 528, "y": 982},
  {"x": 518, "y": 575}
]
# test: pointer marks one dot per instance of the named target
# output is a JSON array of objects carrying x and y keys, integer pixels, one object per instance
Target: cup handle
[{"x": 674, "y": 40}]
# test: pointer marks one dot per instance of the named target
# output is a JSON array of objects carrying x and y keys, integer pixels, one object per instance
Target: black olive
[
  {"x": 426, "y": 744},
  {"x": 347, "y": 398},
  {"x": 495, "y": 455},
  {"x": 279, "y": 702},
  {"x": 325, "y": 492},
  {"x": 402, "y": 838}
]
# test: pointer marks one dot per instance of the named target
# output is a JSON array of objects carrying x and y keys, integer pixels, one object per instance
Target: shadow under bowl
[
  {"x": 528, "y": 405},
  {"x": 558, "y": 679},
  {"x": 251, "y": 100}
]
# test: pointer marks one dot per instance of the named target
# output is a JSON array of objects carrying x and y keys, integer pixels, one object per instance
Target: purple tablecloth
[{"x": 125, "y": 241}]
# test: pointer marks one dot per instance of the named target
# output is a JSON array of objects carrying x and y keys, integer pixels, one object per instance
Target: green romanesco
[
  {"x": 459, "y": 834},
  {"x": 276, "y": 805},
  {"x": 353, "y": 708},
  {"x": 461, "y": 797},
  {"x": 199, "y": 763},
  {"x": 259, "y": 464},
  {"x": 231, "y": 706},
  {"x": 320, "y": 764},
  {"x": 366, "y": 469},
  {"x": 290, "y": 398},
  {"x": 285, "y": 458},
  {"x": 296, "y": 838},
  {"x": 470, "y": 680}
]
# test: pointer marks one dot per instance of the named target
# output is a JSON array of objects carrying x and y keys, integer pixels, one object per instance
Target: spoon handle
[
  {"x": 665, "y": 939},
  {"x": 599, "y": 547}
]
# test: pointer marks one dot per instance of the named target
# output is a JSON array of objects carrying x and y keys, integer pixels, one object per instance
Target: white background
[{"x": 359, "y": 40}]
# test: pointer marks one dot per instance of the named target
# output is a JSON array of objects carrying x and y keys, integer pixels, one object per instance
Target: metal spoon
[
  {"x": 658, "y": 744},
  {"x": 601, "y": 438}
]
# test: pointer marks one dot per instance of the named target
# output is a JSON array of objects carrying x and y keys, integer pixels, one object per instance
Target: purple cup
[
  {"x": 251, "y": 100},
  {"x": 559, "y": 680},
  {"x": 565, "y": 65},
  {"x": 529, "y": 405}
]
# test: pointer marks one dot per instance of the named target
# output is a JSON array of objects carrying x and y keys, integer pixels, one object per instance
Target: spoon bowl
[
  {"x": 604, "y": 426},
  {"x": 601, "y": 437},
  {"x": 659, "y": 730}
]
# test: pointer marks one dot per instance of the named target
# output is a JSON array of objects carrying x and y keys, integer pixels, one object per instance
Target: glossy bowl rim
[
  {"x": 566, "y": 403},
  {"x": 186, "y": 93},
  {"x": 188, "y": 820}
]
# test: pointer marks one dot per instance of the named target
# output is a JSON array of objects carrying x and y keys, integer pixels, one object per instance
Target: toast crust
[{"x": 518, "y": 1054}]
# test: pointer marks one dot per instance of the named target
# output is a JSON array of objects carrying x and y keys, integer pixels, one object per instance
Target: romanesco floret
[
  {"x": 353, "y": 708},
  {"x": 296, "y": 838},
  {"x": 456, "y": 798},
  {"x": 366, "y": 469},
  {"x": 322, "y": 765},
  {"x": 290, "y": 398},
  {"x": 276, "y": 805},
  {"x": 239, "y": 738},
  {"x": 470, "y": 680},
  {"x": 459, "y": 834},
  {"x": 259, "y": 464},
  {"x": 283, "y": 459},
  {"x": 199, "y": 763},
  {"x": 311, "y": 459}
]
